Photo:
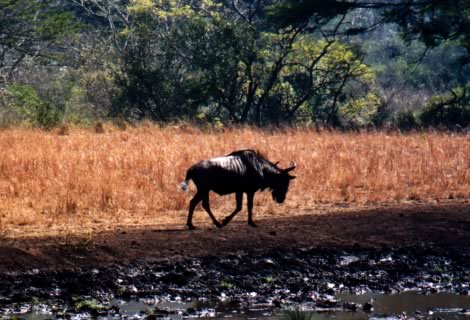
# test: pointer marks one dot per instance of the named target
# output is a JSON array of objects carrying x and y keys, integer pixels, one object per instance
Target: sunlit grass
[{"x": 55, "y": 180}]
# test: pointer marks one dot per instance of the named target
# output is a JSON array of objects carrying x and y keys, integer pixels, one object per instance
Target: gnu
[{"x": 243, "y": 171}]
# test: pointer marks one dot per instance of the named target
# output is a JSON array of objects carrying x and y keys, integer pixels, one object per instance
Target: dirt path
[{"x": 442, "y": 225}]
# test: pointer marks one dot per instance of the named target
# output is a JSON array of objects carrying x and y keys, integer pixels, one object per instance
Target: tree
[
  {"x": 31, "y": 30},
  {"x": 108, "y": 17},
  {"x": 220, "y": 62},
  {"x": 450, "y": 111},
  {"x": 224, "y": 61},
  {"x": 430, "y": 21}
]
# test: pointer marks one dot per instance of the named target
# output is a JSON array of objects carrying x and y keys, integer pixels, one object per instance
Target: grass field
[{"x": 83, "y": 179}]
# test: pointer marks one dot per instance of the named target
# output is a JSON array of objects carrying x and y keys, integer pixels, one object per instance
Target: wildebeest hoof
[
  {"x": 252, "y": 224},
  {"x": 190, "y": 227},
  {"x": 218, "y": 225},
  {"x": 225, "y": 221}
]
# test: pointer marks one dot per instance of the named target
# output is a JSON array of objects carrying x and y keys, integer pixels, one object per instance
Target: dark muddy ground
[
  {"x": 276, "y": 278},
  {"x": 305, "y": 259},
  {"x": 444, "y": 225}
]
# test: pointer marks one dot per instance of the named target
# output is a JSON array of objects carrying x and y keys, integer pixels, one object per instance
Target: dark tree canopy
[{"x": 431, "y": 21}]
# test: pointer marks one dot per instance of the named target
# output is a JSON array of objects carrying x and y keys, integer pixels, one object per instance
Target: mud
[
  {"x": 308, "y": 276},
  {"x": 306, "y": 260}
]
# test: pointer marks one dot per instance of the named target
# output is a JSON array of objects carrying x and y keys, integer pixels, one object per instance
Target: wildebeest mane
[{"x": 256, "y": 161}]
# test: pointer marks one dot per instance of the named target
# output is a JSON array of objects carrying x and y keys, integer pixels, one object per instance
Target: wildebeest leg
[
  {"x": 206, "y": 206},
  {"x": 250, "y": 197},
  {"x": 192, "y": 205},
  {"x": 239, "y": 197}
]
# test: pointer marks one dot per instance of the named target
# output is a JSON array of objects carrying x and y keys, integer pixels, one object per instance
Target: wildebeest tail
[{"x": 184, "y": 186}]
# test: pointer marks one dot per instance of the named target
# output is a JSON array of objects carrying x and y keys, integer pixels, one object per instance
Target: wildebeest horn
[{"x": 291, "y": 166}]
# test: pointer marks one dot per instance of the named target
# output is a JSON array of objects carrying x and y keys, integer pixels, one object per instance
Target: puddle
[
  {"x": 447, "y": 306},
  {"x": 406, "y": 305}
]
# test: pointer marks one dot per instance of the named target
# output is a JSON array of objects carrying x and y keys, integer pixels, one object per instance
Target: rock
[
  {"x": 367, "y": 307},
  {"x": 465, "y": 311},
  {"x": 277, "y": 303},
  {"x": 352, "y": 306}
]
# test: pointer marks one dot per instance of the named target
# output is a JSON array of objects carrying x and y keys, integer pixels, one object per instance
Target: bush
[
  {"x": 30, "y": 108},
  {"x": 451, "y": 111},
  {"x": 406, "y": 121},
  {"x": 360, "y": 112}
]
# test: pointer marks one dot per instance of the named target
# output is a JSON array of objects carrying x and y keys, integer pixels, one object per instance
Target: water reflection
[
  {"x": 440, "y": 305},
  {"x": 407, "y": 305}
]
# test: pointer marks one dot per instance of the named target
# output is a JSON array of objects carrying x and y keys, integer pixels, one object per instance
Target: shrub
[
  {"x": 406, "y": 121},
  {"x": 450, "y": 111},
  {"x": 30, "y": 108},
  {"x": 360, "y": 112}
]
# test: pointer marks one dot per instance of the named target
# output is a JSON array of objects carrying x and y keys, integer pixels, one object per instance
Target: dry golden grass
[{"x": 83, "y": 180}]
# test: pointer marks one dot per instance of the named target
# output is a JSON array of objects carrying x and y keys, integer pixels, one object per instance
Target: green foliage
[
  {"x": 78, "y": 110},
  {"x": 25, "y": 100},
  {"x": 217, "y": 63},
  {"x": 200, "y": 60},
  {"x": 57, "y": 27},
  {"x": 360, "y": 112},
  {"x": 268, "y": 280},
  {"x": 61, "y": 102},
  {"x": 407, "y": 121},
  {"x": 294, "y": 12},
  {"x": 226, "y": 285},
  {"x": 397, "y": 64},
  {"x": 431, "y": 55},
  {"x": 342, "y": 84},
  {"x": 32, "y": 29},
  {"x": 451, "y": 111},
  {"x": 156, "y": 81},
  {"x": 91, "y": 305},
  {"x": 35, "y": 300},
  {"x": 79, "y": 96},
  {"x": 31, "y": 108},
  {"x": 432, "y": 22}
]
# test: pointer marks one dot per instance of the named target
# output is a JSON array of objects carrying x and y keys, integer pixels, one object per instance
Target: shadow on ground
[{"x": 439, "y": 225}]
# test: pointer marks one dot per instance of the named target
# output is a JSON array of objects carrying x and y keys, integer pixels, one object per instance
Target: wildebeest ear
[
  {"x": 276, "y": 163},
  {"x": 292, "y": 177}
]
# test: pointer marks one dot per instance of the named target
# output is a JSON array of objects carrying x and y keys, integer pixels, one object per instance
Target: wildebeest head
[{"x": 280, "y": 185}]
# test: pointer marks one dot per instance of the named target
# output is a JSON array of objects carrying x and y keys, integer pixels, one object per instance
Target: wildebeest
[{"x": 243, "y": 171}]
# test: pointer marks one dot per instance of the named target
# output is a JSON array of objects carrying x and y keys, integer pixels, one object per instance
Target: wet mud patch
[{"x": 311, "y": 277}]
